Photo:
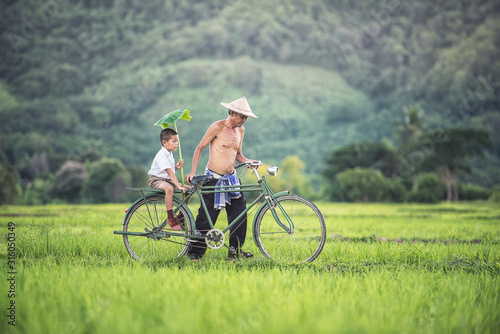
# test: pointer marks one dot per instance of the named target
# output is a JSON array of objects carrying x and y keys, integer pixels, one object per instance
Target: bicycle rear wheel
[
  {"x": 146, "y": 216},
  {"x": 302, "y": 240}
]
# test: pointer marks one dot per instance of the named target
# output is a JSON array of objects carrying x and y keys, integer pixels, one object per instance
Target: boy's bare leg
[{"x": 169, "y": 193}]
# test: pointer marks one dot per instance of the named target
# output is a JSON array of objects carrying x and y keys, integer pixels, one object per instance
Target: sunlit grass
[{"x": 384, "y": 268}]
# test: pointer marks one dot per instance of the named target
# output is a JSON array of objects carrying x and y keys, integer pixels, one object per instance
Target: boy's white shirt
[{"x": 163, "y": 160}]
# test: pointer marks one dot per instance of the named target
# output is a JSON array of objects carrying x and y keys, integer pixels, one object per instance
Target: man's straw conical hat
[{"x": 240, "y": 106}]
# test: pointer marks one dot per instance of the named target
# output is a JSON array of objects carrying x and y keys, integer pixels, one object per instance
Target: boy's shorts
[{"x": 155, "y": 181}]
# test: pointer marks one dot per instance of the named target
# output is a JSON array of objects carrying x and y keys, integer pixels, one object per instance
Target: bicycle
[{"x": 285, "y": 227}]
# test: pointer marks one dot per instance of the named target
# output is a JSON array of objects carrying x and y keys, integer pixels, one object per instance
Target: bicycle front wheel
[
  {"x": 147, "y": 216},
  {"x": 298, "y": 235}
]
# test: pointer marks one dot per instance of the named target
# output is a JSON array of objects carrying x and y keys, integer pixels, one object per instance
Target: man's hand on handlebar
[
  {"x": 255, "y": 164},
  {"x": 250, "y": 164}
]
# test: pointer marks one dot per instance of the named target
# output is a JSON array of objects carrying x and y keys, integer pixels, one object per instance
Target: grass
[{"x": 385, "y": 268}]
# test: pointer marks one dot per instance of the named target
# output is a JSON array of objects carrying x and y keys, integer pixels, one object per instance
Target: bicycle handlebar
[{"x": 249, "y": 164}]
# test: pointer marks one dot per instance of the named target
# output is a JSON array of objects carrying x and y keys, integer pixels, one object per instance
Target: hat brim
[{"x": 238, "y": 110}]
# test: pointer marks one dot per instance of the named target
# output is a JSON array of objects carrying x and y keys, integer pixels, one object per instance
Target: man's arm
[
  {"x": 239, "y": 154},
  {"x": 211, "y": 133}
]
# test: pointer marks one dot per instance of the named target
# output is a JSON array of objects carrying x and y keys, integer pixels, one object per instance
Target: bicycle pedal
[{"x": 231, "y": 250}]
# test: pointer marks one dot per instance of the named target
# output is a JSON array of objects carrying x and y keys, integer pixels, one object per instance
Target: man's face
[{"x": 239, "y": 118}]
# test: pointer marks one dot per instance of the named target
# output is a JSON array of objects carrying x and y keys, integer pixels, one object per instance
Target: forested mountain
[{"x": 85, "y": 78}]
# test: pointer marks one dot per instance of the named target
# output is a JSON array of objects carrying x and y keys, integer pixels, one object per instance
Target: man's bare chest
[{"x": 227, "y": 139}]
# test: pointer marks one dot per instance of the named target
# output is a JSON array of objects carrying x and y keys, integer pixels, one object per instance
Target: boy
[{"x": 162, "y": 173}]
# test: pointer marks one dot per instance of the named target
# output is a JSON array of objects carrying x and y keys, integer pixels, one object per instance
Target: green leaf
[{"x": 173, "y": 117}]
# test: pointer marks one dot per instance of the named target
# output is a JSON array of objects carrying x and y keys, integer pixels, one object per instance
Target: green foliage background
[{"x": 80, "y": 76}]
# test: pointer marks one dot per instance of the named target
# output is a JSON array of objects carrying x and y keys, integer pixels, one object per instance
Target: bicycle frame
[
  {"x": 265, "y": 192},
  {"x": 261, "y": 186}
]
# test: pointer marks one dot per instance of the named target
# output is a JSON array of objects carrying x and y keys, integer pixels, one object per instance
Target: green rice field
[{"x": 385, "y": 268}]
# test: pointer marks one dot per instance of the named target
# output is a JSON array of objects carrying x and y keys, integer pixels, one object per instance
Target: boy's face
[{"x": 172, "y": 143}]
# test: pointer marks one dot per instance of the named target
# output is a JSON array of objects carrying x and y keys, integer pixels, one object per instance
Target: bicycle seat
[{"x": 201, "y": 179}]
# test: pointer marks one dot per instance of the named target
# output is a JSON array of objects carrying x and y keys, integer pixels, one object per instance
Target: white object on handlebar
[{"x": 272, "y": 170}]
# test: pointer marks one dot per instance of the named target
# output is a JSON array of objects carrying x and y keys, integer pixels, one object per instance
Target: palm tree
[
  {"x": 412, "y": 126},
  {"x": 451, "y": 154},
  {"x": 410, "y": 129}
]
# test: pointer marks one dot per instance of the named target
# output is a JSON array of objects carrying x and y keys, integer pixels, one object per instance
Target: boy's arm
[
  {"x": 179, "y": 164},
  {"x": 173, "y": 178}
]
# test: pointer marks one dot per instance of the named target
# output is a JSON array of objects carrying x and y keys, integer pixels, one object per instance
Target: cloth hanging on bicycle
[{"x": 225, "y": 180}]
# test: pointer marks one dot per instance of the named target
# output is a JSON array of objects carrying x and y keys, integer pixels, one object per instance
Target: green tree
[
  {"x": 139, "y": 177},
  {"x": 362, "y": 185},
  {"x": 473, "y": 192},
  {"x": 409, "y": 130},
  {"x": 447, "y": 152},
  {"x": 8, "y": 179},
  {"x": 69, "y": 181},
  {"x": 429, "y": 191},
  {"x": 75, "y": 78},
  {"x": 293, "y": 177},
  {"x": 364, "y": 154},
  {"x": 37, "y": 191},
  {"x": 106, "y": 182},
  {"x": 396, "y": 190},
  {"x": 8, "y": 100},
  {"x": 412, "y": 126}
]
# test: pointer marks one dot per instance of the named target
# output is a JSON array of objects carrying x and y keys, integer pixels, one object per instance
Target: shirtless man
[{"x": 225, "y": 139}]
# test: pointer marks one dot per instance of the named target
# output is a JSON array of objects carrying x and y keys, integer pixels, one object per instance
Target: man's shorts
[{"x": 155, "y": 182}]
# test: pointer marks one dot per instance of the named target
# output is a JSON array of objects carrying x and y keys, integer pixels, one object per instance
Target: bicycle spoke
[
  {"x": 306, "y": 239},
  {"x": 144, "y": 219},
  {"x": 147, "y": 216}
]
